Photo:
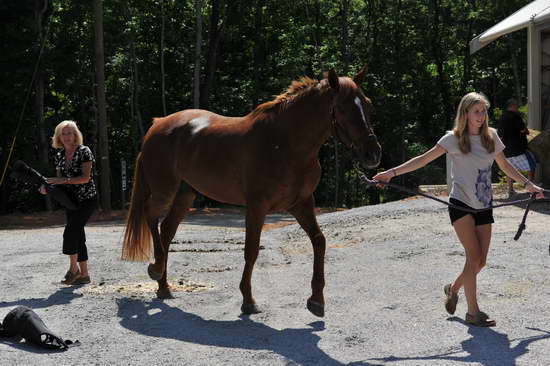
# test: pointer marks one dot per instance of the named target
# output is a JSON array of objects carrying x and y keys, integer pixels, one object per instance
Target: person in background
[
  {"x": 472, "y": 147},
  {"x": 73, "y": 164},
  {"x": 513, "y": 132}
]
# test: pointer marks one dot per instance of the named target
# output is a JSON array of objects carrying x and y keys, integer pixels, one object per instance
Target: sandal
[
  {"x": 451, "y": 300},
  {"x": 70, "y": 277},
  {"x": 69, "y": 274},
  {"x": 480, "y": 320},
  {"x": 82, "y": 280}
]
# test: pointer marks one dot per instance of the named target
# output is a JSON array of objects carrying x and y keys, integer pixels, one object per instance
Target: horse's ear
[
  {"x": 358, "y": 79},
  {"x": 333, "y": 80}
]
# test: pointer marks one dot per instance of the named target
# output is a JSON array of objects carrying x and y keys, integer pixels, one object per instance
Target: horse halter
[
  {"x": 342, "y": 135},
  {"x": 339, "y": 132}
]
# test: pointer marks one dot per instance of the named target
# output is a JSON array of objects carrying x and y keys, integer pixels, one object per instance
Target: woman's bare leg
[
  {"x": 476, "y": 252},
  {"x": 83, "y": 268},
  {"x": 73, "y": 263}
]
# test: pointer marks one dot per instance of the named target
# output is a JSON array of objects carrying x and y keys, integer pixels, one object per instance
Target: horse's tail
[{"x": 137, "y": 235}]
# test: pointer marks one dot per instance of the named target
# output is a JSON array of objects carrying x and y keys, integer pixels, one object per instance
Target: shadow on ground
[
  {"x": 157, "y": 319},
  {"x": 486, "y": 347},
  {"x": 63, "y": 295}
]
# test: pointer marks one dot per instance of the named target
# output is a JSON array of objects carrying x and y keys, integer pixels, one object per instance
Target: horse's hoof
[
  {"x": 154, "y": 275},
  {"x": 164, "y": 293},
  {"x": 250, "y": 309},
  {"x": 316, "y": 308}
]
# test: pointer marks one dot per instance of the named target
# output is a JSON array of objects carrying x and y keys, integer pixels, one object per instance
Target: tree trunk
[
  {"x": 104, "y": 167},
  {"x": 162, "y": 78},
  {"x": 136, "y": 93},
  {"x": 336, "y": 173},
  {"x": 372, "y": 41},
  {"x": 439, "y": 61},
  {"x": 196, "y": 78},
  {"x": 135, "y": 110},
  {"x": 258, "y": 50},
  {"x": 345, "y": 68},
  {"x": 398, "y": 39},
  {"x": 43, "y": 145},
  {"x": 313, "y": 17},
  {"x": 517, "y": 81},
  {"x": 345, "y": 35},
  {"x": 467, "y": 61},
  {"x": 215, "y": 35}
]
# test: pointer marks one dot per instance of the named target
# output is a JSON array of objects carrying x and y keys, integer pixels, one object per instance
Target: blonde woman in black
[{"x": 73, "y": 164}]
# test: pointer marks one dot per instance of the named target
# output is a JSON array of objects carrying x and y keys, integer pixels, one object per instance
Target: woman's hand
[
  {"x": 42, "y": 190},
  {"x": 530, "y": 187},
  {"x": 384, "y": 176},
  {"x": 56, "y": 180}
]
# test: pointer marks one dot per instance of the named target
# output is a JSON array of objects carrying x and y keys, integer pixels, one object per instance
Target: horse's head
[{"x": 353, "y": 114}]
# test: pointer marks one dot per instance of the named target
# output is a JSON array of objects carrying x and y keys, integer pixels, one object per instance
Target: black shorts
[{"x": 480, "y": 218}]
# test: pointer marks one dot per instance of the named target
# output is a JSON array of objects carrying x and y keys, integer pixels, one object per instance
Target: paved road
[{"x": 385, "y": 269}]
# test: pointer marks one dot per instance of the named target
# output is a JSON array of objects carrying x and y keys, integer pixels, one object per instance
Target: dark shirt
[
  {"x": 81, "y": 155},
  {"x": 512, "y": 129}
]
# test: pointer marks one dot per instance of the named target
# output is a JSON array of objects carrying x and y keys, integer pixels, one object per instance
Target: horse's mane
[{"x": 297, "y": 90}]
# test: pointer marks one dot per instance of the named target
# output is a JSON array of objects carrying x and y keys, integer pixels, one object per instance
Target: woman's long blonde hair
[
  {"x": 56, "y": 141},
  {"x": 460, "y": 129}
]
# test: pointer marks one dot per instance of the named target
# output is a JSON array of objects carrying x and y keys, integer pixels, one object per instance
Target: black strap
[
  {"x": 51, "y": 341},
  {"x": 338, "y": 132},
  {"x": 61, "y": 194},
  {"x": 522, "y": 226}
]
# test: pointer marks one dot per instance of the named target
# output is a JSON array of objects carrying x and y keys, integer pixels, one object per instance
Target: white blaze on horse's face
[
  {"x": 360, "y": 106},
  {"x": 198, "y": 124}
]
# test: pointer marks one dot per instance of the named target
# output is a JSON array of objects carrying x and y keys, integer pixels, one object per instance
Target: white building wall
[{"x": 545, "y": 79}]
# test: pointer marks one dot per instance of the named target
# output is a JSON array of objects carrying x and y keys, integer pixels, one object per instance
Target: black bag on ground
[
  {"x": 25, "y": 173},
  {"x": 23, "y": 321}
]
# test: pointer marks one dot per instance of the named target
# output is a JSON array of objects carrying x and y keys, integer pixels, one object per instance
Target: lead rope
[{"x": 521, "y": 227}]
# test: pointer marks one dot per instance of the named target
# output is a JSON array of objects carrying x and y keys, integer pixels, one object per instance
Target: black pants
[{"x": 74, "y": 237}]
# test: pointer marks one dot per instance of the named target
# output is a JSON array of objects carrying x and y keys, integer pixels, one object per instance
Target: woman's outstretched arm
[{"x": 411, "y": 165}]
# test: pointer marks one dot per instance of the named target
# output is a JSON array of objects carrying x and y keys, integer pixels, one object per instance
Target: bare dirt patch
[{"x": 141, "y": 288}]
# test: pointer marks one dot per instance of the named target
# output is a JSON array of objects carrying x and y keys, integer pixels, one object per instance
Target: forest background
[{"x": 113, "y": 66}]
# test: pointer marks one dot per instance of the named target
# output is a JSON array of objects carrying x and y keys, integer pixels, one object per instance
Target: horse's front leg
[
  {"x": 255, "y": 217},
  {"x": 304, "y": 212}
]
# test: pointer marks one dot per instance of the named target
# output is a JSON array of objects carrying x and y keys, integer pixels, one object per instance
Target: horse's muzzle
[{"x": 369, "y": 152}]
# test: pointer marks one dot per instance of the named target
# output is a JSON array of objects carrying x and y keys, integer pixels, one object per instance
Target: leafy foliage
[{"x": 419, "y": 67}]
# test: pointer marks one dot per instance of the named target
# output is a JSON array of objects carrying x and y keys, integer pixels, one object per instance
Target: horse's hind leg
[
  {"x": 163, "y": 192},
  {"x": 304, "y": 212},
  {"x": 255, "y": 217},
  {"x": 182, "y": 202},
  {"x": 153, "y": 209}
]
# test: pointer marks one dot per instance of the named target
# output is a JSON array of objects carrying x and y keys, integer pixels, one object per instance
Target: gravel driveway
[{"x": 385, "y": 270}]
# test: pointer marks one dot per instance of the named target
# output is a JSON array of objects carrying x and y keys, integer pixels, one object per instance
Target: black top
[
  {"x": 81, "y": 155},
  {"x": 512, "y": 130}
]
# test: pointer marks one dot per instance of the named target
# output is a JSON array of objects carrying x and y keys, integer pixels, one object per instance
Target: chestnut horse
[{"x": 266, "y": 161}]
